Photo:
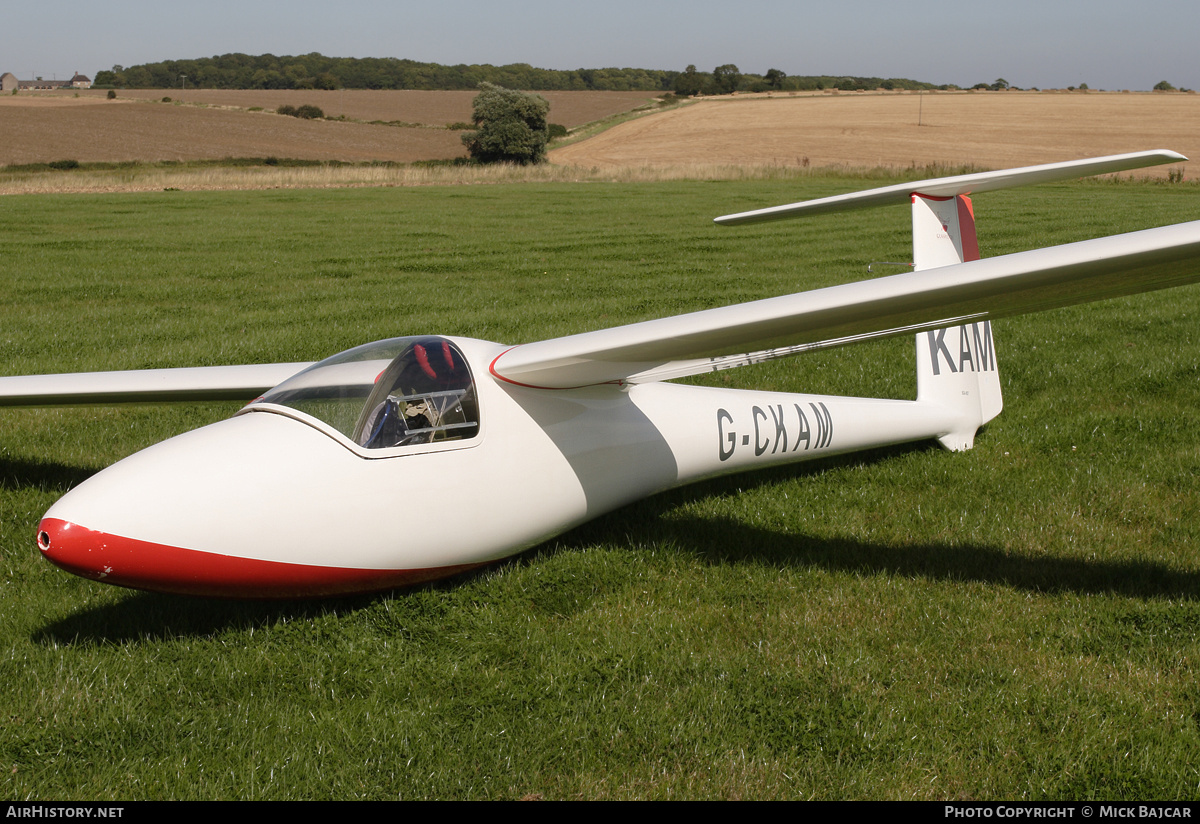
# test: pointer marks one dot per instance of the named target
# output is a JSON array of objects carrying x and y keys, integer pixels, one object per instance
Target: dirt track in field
[
  {"x": 990, "y": 130},
  {"x": 137, "y": 126}
]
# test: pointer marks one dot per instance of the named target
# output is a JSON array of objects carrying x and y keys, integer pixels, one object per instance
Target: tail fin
[{"x": 956, "y": 367}]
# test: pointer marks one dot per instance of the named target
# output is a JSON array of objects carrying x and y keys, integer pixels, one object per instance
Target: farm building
[{"x": 9, "y": 81}]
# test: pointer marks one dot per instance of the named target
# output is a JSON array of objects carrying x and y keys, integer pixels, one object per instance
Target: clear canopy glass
[{"x": 391, "y": 393}]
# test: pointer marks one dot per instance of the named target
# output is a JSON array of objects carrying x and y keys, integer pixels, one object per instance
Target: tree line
[
  {"x": 316, "y": 71},
  {"x": 728, "y": 78}
]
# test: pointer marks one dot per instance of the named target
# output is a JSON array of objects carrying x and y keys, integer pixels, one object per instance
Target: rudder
[{"x": 956, "y": 366}]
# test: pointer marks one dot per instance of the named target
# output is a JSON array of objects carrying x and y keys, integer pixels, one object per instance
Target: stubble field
[{"x": 987, "y": 130}]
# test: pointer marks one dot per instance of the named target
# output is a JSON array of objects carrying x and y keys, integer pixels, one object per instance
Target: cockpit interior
[{"x": 393, "y": 393}]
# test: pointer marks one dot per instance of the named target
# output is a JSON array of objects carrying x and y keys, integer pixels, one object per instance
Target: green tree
[
  {"x": 689, "y": 83},
  {"x": 326, "y": 80},
  {"x": 139, "y": 78},
  {"x": 509, "y": 126},
  {"x": 726, "y": 78},
  {"x": 1163, "y": 86},
  {"x": 774, "y": 78}
]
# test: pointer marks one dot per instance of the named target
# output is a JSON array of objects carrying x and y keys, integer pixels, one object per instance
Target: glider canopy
[{"x": 397, "y": 392}]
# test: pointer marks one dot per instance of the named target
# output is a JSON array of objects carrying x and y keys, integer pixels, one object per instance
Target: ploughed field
[{"x": 208, "y": 124}]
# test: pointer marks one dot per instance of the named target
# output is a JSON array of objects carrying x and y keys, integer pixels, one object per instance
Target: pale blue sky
[{"x": 1044, "y": 43}]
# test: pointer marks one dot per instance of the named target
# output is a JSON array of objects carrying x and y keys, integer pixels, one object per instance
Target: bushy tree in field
[
  {"x": 1163, "y": 86},
  {"x": 509, "y": 126},
  {"x": 305, "y": 112},
  {"x": 690, "y": 83},
  {"x": 725, "y": 78}
]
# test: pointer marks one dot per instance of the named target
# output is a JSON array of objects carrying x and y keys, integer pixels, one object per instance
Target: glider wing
[
  {"x": 930, "y": 298},
  {"x": 902, "y": 193},
  {"x": 901, "y": 304},
  {"x": 203, "y": 383}
]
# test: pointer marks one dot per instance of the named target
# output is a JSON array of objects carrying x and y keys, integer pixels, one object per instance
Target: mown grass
[{"x": 1018, "y": 621}]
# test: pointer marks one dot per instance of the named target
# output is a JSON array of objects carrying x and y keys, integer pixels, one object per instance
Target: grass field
[{"x": 1014, "y": 622}]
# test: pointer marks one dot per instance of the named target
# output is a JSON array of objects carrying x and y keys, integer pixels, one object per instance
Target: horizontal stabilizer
[
  {"x": 901, "y": 304},
  {"x": 201, "y": 383},
  {"x": 958, "y": 185}
]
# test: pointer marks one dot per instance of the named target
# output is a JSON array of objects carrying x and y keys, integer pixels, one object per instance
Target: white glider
[{"x": 416, "y": 458}]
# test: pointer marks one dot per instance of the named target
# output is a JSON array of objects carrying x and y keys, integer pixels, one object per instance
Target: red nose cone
[
  {"x": 78, "y": 550},
  {"x": 129, "y": 562}
]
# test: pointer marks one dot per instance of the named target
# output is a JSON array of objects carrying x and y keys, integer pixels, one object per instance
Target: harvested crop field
[
  {"x": 219, "y": 124},
  {"x": 989, "y": 130}
]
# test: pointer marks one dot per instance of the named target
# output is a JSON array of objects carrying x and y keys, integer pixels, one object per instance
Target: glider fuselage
[{"x": 272, "y": 503}]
